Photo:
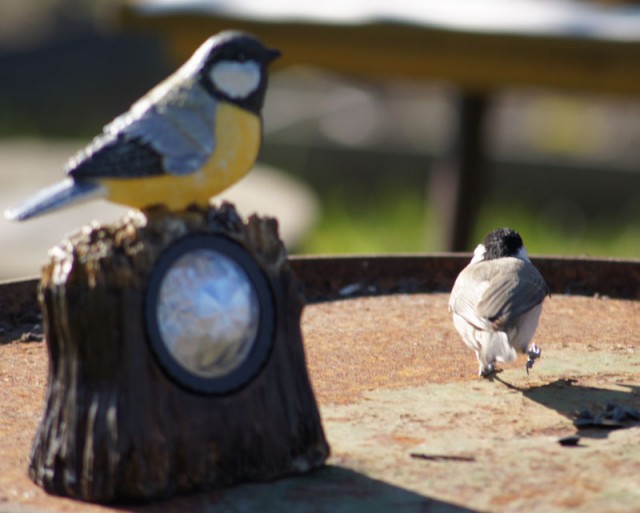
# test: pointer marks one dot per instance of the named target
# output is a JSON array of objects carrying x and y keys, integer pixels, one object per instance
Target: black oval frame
[{"x": 263, "y": 341}]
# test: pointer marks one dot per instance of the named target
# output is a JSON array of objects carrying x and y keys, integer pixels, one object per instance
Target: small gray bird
[{"x": 496, "y": 301}]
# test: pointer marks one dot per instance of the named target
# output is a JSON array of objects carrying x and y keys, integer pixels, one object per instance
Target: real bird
[
  {"x": 496, "y": 301},
  {"x": 191, "y": 137}
]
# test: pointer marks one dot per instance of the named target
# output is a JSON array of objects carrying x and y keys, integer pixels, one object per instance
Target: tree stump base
[{"x": 115, "y": 427}]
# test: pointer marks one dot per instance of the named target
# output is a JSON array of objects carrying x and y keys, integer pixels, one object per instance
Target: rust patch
[
  {"x": 358, "y": 345},
  {"x": 401, "y": 341}
]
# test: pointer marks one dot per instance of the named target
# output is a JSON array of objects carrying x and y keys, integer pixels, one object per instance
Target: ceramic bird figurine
[
  {"x": 191, "y": 137},
  {"x": 496, "y": 301}
]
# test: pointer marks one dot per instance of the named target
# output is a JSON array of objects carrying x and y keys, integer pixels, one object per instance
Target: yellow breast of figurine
[{"x": 238, "y": 137}]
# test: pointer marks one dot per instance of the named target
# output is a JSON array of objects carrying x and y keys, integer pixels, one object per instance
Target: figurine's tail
[{"x": 52, "y": 198}]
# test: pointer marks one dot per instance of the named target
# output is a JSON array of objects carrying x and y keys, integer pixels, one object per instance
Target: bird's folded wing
[
  {"x": 515, "y": 289},
  {"x": 173, "y": 134},
  {"x": 465, "y": 295}
]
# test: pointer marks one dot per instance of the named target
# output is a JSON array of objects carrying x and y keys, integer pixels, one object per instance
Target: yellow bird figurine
[{"x": 191, "y": 137}]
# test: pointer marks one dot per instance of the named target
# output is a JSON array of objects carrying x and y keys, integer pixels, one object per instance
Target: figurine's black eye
[{"x": 242, "y": 57}]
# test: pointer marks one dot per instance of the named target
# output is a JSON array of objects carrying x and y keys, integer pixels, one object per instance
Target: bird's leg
[
  {"x": 533, "y": 354},
  {"x": 486, "y": 369}
]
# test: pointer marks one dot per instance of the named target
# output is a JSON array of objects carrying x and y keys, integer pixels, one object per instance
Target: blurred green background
[{"x": 564, "y": 168}]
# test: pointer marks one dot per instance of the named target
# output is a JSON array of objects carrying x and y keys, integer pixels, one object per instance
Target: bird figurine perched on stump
[
  {"x": 191, "y": 137},
  {"x": 176, "y": 355},
  {"x": 496, "y": 301}
]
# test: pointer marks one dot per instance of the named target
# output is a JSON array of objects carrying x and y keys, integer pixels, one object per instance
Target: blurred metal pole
[{"x": 459, "y": 181}]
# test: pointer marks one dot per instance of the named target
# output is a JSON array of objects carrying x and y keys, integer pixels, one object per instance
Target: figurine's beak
[{"x": 271, "y": 54}]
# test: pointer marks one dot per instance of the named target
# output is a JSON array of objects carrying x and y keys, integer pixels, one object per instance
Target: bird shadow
[{"x": 572, "y": 400}]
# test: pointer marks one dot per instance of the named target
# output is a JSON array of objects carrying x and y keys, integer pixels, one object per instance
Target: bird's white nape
[
  {"x": 478, "y": 254},
  {"x": 236, "y": 79},
  {"x": 522, "y": 254}
]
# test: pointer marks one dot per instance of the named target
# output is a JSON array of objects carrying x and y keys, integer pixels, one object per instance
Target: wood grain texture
[{"x": 115, "y": 428}]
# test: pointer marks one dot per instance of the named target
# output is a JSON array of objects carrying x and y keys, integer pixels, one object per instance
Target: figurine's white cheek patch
[{"x": 236, "y": 79}]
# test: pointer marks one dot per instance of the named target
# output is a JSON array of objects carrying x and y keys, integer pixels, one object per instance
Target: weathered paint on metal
[{"x": 393, "y": 379}]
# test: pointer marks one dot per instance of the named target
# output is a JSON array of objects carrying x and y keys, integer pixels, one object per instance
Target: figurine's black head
[
  {"x": 233, "y": 66},
  {"x": 502, "y": 242}
]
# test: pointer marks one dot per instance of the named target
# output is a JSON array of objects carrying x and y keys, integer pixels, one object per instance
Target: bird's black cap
[
  {"x": 237, "y": 46},
  {"x": 502, "y": 242}
]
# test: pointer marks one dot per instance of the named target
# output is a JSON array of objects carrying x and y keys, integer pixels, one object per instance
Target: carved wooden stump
[{"x": 115, "y": 426}]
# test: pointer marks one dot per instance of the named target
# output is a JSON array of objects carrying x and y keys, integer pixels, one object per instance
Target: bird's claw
[
  {"x": 533, "y": 354},
  {"x": 487, "y": 371}
]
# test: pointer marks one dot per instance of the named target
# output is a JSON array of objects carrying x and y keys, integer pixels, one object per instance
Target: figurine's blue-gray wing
[{"x": 170, "y": 130}]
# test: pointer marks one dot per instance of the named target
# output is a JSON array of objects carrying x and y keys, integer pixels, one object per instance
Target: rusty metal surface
[
  {"x": 325, "y": 277},
  {"x": 393, "y": 379},
  {"x": 18, "y": 307}
]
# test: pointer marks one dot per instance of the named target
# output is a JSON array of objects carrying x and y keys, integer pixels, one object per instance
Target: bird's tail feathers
[
  {"x": 57, "y": 196},
  {"x": 496, "y": 348}
]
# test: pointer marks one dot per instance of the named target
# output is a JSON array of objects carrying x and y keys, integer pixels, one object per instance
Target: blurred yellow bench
[{"x": 478, "y": 46}]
